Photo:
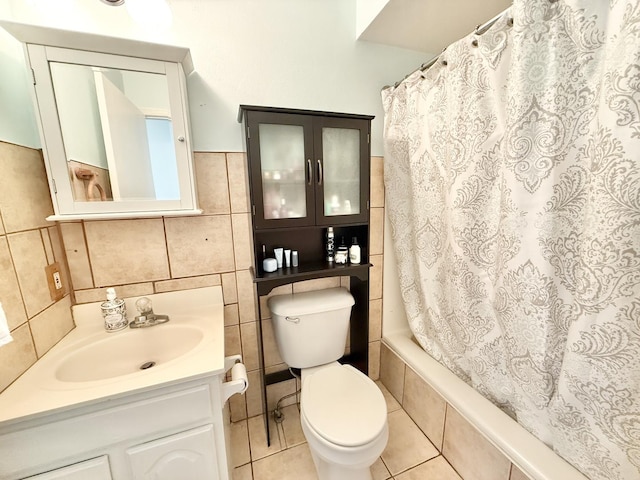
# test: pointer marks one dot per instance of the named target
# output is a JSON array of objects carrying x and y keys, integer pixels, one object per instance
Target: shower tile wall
[
  {"x": 28, "y": 243},
  {"x": 468, "y": 452},
  {"x": 144, "y": 256}
]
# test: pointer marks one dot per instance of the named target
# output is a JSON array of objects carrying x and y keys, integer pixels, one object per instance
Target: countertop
[{"x": 38, "y": 392}]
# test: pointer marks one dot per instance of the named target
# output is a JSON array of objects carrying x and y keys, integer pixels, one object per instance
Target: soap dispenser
[{"x": 114, "y": 312}]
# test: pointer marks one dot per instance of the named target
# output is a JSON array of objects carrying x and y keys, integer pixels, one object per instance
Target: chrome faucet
[{"x": 147, "y": 318}]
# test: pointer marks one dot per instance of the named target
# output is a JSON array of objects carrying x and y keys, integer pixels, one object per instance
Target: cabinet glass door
[
  {"x": 283, "y": 171},
  {"x": 341, "y": 171}
]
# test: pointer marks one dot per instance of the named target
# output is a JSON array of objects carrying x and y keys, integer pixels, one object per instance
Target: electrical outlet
[{"x": 54, "y": 280}]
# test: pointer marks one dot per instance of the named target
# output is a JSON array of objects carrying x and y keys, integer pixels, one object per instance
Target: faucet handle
[{"x": 143, "y": 304}]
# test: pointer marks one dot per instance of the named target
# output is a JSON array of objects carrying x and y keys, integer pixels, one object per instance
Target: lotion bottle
[
  {"x": 354, "y": 252},
  {"x": 114, "y": 312}
]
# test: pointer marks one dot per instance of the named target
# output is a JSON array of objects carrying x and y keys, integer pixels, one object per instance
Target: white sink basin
[{"x": 128, "y": 351}]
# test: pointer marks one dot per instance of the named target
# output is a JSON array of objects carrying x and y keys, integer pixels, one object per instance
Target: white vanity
[{"x": 86, "y": 410}]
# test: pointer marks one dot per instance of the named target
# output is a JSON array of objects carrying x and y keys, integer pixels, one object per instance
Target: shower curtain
[{"x": 512, "y": 175}]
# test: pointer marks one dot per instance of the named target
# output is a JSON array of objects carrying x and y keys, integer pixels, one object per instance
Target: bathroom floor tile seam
[{"x": 409, "y": 454}]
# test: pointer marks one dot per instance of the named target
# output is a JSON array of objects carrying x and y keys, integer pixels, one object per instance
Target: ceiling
[{"x": 429, "y": 25}]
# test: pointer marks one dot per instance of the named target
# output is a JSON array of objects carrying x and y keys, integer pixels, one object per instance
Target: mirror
[
  {"x": 114, "y": 123},
  {"x": 117, "y": 133}
]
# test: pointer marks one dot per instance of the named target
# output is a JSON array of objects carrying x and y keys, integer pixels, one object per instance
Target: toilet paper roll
[{"x": 239, "y": 373}]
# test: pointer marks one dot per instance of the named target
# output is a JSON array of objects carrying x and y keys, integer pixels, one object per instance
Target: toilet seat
[{"x": 343, "y": 406}]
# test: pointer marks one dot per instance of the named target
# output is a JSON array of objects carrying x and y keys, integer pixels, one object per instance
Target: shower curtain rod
[{"x": 479, "y": 30}]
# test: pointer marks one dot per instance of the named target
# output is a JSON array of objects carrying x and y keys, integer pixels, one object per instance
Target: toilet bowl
[
  {"x": 344, "y": 419},
  {"x": 342, "y": 411}
]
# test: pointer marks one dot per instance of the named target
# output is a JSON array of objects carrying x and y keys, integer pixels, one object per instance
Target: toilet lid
[{"x": 343, "y": 405}]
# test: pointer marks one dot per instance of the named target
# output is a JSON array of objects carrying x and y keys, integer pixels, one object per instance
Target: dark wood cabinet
[{"x": 309, "y": 170}]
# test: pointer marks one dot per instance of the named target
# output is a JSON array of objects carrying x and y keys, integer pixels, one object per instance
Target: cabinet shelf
[{"x": 266, "y": 281}]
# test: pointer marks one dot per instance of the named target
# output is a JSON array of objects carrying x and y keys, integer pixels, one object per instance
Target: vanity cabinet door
[
  {"x": 95, "y": 469},
  {"x": 189, "y": 454}
]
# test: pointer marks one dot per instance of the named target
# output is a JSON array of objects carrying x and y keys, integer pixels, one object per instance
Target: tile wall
[
  {"x": 28, "y": 243},
  {"x": 144, "y": 256},
  {"x": 468, "y": 452}
]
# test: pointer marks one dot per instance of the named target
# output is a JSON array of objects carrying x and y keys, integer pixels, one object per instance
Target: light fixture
[{"x": 113, "y": 3}]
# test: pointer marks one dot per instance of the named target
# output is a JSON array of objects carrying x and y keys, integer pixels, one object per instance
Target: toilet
[{"x": 342, "y": 411}]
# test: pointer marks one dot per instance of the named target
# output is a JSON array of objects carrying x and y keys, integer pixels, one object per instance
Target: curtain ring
[
  {"x": 474, "y": 42},
  {"x": 444, "y": 62},
  {"x": 510, "y": 19}
]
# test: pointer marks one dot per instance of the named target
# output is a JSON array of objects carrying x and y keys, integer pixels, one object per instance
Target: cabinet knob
[{"x": 181, "y": 138}]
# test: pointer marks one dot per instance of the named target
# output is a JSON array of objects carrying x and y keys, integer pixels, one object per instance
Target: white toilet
[{"x": 342, "y": 411}]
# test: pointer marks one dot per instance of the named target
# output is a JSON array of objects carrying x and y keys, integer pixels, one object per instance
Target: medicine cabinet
[{"x": 113, "y": 121}]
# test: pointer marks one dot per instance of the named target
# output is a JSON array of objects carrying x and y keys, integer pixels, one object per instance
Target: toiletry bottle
[
  {"x": 330, "y": 245},
  {"x": 342, "y": 255},
  {"x": 354, "y": 251},
  {"x": 114, "y": 312}
]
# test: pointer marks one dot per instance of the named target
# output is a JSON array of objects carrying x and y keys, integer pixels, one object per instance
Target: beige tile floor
[{"x": 409, "y": 454}]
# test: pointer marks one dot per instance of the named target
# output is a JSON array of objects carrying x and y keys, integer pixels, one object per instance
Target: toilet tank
[{"x": 311, "y": 327}]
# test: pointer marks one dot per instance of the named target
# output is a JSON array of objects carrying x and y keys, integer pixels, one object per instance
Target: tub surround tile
[
  {"x": 123, "y": 291},
  {"x": 425, "y": 406},
  {"x": 10, "y": 297},
  {"x": 377, "y": 182},
  {"x": 23, "y": 180},
  {"x": 211, "y": 182},
  {"x": 258, "y": 438},
  {"x": 436, "y": 469},
  {"x": 186, "y": 283},
  {"x": 466, "y": 449},
  {"x": 407, "y": 446},
  {"x": 376, "y": 235},
  {"x": 199, "y": 245},
  {"x": 229, "y": 288},
  {"x": 392, "y": 372},
  {"x": 517, "y": 474},
  {"x": 127, "y": 251},
  {"x": 292, "y": 463},
  {"x": 16, "y": 356},
  {"x": 50, "y": 326},
  {"x": 242, "y": 240},
  {"x": 238, "y": 182},
  {"x": 30, "y": 261},
  {"x": 75, "y": 249},
  {"x": 240, "y": 452}
]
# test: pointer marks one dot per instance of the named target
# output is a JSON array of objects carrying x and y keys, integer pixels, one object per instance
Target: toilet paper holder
[{"x": 239, "y": 382}]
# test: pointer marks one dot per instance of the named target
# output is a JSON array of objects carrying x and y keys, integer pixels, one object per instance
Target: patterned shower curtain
[{"x": 512, "y": 174}]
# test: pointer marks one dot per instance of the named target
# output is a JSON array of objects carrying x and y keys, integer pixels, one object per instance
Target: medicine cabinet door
[
  {"x": 342, "y": 163},
  {"x": 280, "y": 152}
]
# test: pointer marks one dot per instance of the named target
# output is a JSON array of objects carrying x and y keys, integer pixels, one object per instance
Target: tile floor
[{"x": 409, "y": 454}]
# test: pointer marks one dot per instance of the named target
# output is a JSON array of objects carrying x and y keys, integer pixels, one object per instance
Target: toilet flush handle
[{"x": 292, "y": 319}]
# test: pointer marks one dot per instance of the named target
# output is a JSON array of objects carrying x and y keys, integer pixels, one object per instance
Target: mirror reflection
[{"x": 117, "y": 133}]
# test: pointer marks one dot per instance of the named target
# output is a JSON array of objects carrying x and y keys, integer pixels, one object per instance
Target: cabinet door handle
[
  {"x": 319, "y": 172},
  {"x": 309, "y": 171}
]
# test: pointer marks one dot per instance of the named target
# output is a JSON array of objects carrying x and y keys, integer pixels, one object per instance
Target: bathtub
[{"x": 520, "y": 447}]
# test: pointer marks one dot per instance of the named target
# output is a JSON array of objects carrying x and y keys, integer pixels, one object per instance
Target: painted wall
[{"x": 289, "y": 53}]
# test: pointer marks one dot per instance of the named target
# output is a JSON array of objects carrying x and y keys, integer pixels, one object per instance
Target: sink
[{"x": 109, "y": 355}]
